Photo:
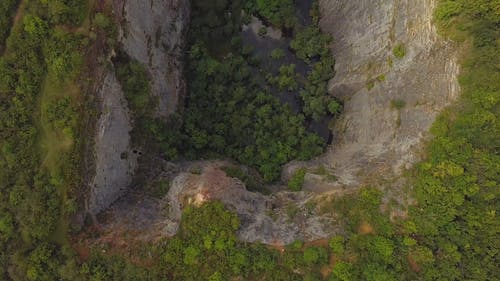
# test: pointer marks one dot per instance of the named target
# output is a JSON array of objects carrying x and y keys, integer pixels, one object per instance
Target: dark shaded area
[
  {"x": 263, "y": 46},
  {"x": 303, "y": 7}
]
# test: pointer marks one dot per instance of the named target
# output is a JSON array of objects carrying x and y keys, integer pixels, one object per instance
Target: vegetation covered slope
[
  {"x": 457, "y": 187},
  {"x": 7, "y": 9},
  {"x": 40, "y": 105}
]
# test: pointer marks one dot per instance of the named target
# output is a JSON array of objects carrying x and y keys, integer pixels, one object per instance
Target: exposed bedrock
[
  {"x": 152, "y": 32},
  {"x": 277, "y": 219},
  {"x": 114, "y": 160},
  {"x": 390, "y": 102}
]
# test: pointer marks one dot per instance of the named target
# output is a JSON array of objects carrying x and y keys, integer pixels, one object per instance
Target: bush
[
  {"x": 287, "y": 78},
  {"x": 399, "y": 51},
  {"x": 135, "y": 83},
  {"x": 311, "y": 43},
  {"x": 262, "y": 31},
  {"x": 315, "y": 255},
  {"x": 280, "y": 13},
  {"x": 297, "y": 180},
  {"x": 398, "y": 104},
  {"x": 277, "y": 54},
  {"x": 336, "y": 243}
]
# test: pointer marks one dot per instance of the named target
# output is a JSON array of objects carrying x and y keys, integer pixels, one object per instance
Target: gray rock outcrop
[
  {"x": 375, "y": 136},
  {"x": 152, "y": 32},
  {"x": 278, "y": 219},
  {"x": 114, "y": 160}
]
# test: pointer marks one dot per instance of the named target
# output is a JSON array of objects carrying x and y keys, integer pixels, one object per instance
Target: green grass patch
[
  {"x": 297, "y": 181},
  {"x": 381, "y": 78},
  {"x": 370, "y": 85},
  {"x": 399, "y": 51},
  {"x": 398, "y": 104}
]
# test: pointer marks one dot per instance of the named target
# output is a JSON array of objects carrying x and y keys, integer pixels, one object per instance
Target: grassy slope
[
  {"x": 54, "y": 143},
  {"x": 57, "y": 146}
]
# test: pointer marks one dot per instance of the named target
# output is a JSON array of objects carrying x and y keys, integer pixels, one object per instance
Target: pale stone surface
[
  {"x": 153, "y": 33},
  {"x": 114, "y": 160},
  {"x": 372, "y": 137},
  {"x": 278, "y": 219}
]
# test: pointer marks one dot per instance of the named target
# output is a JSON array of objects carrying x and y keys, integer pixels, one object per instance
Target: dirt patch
[
  {"x": 19, "y": 12},
  {"x": 327, "y": 269},
  {"x": 365, "y": 228},
  {"x": 413, "y": 264}
]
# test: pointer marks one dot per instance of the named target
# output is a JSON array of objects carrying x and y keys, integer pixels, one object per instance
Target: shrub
[
  {"x": 399, "y": 51},
  {"x": 262, "y": 31},
  {"x": 297, "y": 180},
  {"x": 398, "y": 104},
  {"x": 277, "y": 54},
  {"x": 280, "y": 13},
  {"x": 311, "y": 43},
  {"x": 314, "y": 255},
  {"x": 336, "y": 243}
]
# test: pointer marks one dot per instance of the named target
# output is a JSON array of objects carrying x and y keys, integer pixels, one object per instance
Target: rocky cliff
[
  {"x": 390, "y": 102},
  {"x": 277, "y": 219},
  {"x": 114, "y": 160},
  {"x": 152, "y": 32}
]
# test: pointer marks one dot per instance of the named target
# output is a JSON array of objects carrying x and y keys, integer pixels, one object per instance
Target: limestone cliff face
[
  {"x": 152, "y": 32},
  {"x": 114, "y": 160},
  {"x": 373, "y": 136}
]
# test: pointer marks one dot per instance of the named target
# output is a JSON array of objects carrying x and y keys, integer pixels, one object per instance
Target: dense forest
[
  {"x": 230, "y": 111},
  {"x": 452, "y": 231}
]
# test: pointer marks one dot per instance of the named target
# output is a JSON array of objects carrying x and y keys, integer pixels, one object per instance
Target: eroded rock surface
[
  {"x": 278, "y": 219},
  {"x": 152, "y": 32},
  {"x": 114, "y": 161},
  {"x": 374, "y": 137}
]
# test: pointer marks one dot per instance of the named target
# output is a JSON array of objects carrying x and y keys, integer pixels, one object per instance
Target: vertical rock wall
[
  {"x": 114, "y": 160},
  {"x": 152, "y": 32},
  {"x": 373, "y": 136}
]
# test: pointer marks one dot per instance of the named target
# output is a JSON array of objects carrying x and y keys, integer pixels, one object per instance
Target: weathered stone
[
  {"x": 153, "y": 33},
  {"x": 114, "y": 160},
  {"x": 374, "y": 137}
]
